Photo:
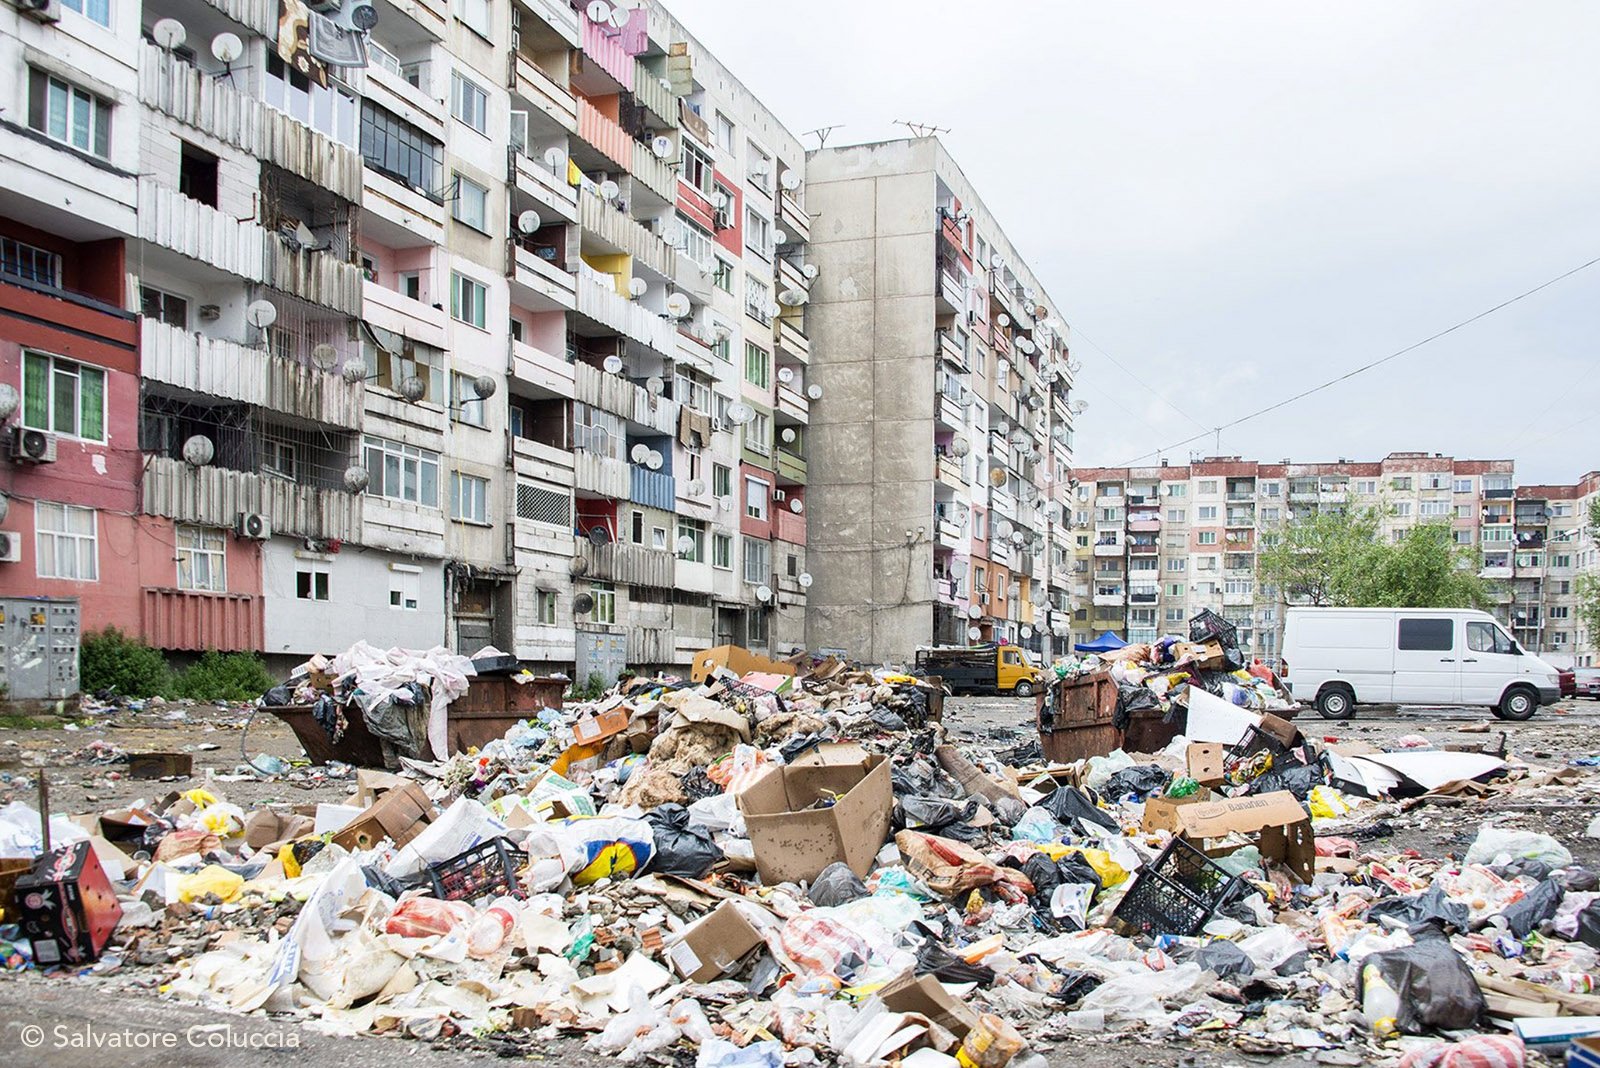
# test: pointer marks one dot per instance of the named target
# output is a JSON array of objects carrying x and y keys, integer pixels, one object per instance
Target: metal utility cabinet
[{"x": 39, "y": 647}]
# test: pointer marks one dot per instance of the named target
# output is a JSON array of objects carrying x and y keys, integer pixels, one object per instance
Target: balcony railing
[
  {"x": 214, "y": 496},
  {"x": 531, "y": 83},
  {"x": 656, "y": 174},
  {"x": 194, "y": 621},
  {"x": 789, "y": 526},
  {"x": 615, "y": 394},
  {"x": 605, "y": 306},
  {"x": 603, "y": 46},
  {"x": 537, "y": 180},
  {"x": 791, "y": 468},
  {"x": 792, "y": 339},
  {"x": 653, "y": 489},
  {"x": 609, "y": 139},
  {"x": 656, "y": 98},
  {"x": 601, "y": 476},
  {"x": 792, "y": 216},
  {"x": 623, "y": 232},
  {"x": 635, "y": 565}
]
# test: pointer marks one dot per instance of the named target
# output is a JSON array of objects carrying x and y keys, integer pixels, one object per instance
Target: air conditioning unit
[
  {"x": 33, "y": 446},
  {"x": 40, "y": 10},
  {"x": 253, "y": 525},
  {"x": 983, "y": 598},
  {"x": 779, "y": 495},
  {"x": 10, "y": 547},
  {"x": 718, "y": 425},
  {"x": 722, "y": 219}
]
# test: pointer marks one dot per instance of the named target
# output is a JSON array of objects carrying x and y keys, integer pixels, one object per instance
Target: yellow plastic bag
[
  {"x": 1327, "y": 803},
  {"x": 1111, "y": 873},
  {"x": 210, "y": 879}
]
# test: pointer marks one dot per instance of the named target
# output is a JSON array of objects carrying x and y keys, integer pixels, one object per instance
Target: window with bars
[
  {"x": 539, "y": 505},
  {"x": 18, "y": 259}
]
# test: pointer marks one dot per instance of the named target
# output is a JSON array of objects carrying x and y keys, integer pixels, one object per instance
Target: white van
[{"x": 1342, "y": 657}]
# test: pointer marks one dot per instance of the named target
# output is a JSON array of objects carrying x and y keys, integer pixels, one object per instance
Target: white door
[
  {"x": 1487, "y": 663},
  {"x": 1427, "y": 660}
]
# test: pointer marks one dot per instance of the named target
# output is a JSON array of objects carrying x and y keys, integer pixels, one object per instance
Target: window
[
  {"x": 601, "y": 433},
  {"x": 63, "y": 112},
  {"x": 1177, "y": 565},
  {"x": 722, "y": 552},
  {"x": 1208, "y": 486},
  {"x": 755, "y": 498},
  {"x": 697, "y": 167},
  {"x": 63, "y": 397},
  {"x": 469, "y": 498},
  {"x": 1206, "y": 563},
  {"x": 695, "y": 531},
  {"x": 539, "y": 505},
  {"x": 722, "y": 276},
  {"x": 311, "y": 581},
  {"x": 475, "y": 15},
  {"x": 405, "y": 587},
  {"x": 391, "y": 359},
  {"x": 330, "y": 109},
  {"x": 1481, "y": 637},
  {"x": 757, "y": 365},
  {"x": 1207, "y": 537},
  {"x": 1402, "y": 483},
  {"x": 1562, "y": 560},
  {"x": 471, "y": 205},
  {"x": 695, "y": 244},
  {"x": 636, "y": 528},
  {"x": 1496, "y": 482},
  {"x": 468, "y": 102},
  {"x": 164, "y": 307},
  {"x": 1269, "y": 489},
  {"x": 1560, "y": 612},
  {"x": 658, "y": 538},
  {"x": 691, "y": 392},
  {"x": 94, "y": 10},
  {"x": 66, "y": 542},
  {"x": 1175, "y": 589},
  {"x": 29, "y": 263},
  {"x": 1402, "y": 510},
  {"x": 544, "y": 607},
  {"x": 722, "y": 349},
  {"x": 605, "y": 603},
  {"x": 1205, "y": 512},
  {"x": 1174, "y": 615},
  {"x": 468, "y": 300},
  {"x": 1177, "y": 515},
  {"x": 757, "y": 234},
  {"x": 757, "y": 567},
  {"x": 280, "y": 458},
  {"x": 725, "y": 133},
  {"x": 721, "y": 480},
  {"x": 197, "y": 175},
  {"x": 758, "y": 166},
  {"x": 202, "y": 559},
  {"x": 465, "y": 404},
  {"x": 1433, "y": 508},
  {"x": 758, "y": 434},
  {"x": 1270, "y": 515},
  {"x": 1177, "y": 489},
  {"x": 1463, "y": 485},
  {"x": 396, "y": 148},
  {"x": 399, "y": 472},
  {"x": 758, "y": 300},
  {"x": 1497, "y": 533},
  {"x": 1427, "y": 635}
]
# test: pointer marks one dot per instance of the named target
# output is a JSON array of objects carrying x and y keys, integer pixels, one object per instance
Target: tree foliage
[
  {"x": 1588, "y": 584},
  {"x": 1339, "y": 558}
]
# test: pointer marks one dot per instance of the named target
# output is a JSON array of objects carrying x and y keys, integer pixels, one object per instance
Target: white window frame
[
  {"x": 605, "y": 603},
  {"x": 757, "y": 499},
  {"x": 72, "y": 115},
  {"x": 471, "y": 204},
  {"x": 405, "y": 588},
  {"x": 202, "y": 559},
  {"x": 758, "y": 434},
  {"x": 476, "y": 15},
  {"x": 722, "y": 551},
  {"x": 469, "y": 102},
  {"x": 694, "y": 243},
  {"x": 757, "y": 560},
  {"x": 84, "y": 547},
  {"x": 463, "y": 287},
  {"x": 544, "y": 607},
  {"x": 313, "y": 570},
  {"x": 465, "y": 404},
  {"x": 407, "y": 458},
  {"x": 58, "y": 367},
  {"x": 96, "y": 11},
  {"x": 757, "y": 233},
  {"x": 469, "y": 498}
]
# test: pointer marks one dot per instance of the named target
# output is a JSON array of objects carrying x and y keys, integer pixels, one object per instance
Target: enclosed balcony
[
  {"x": 547, "y": 191},
  {"x": 653, "y": 489},
  {"x": 610, "y": 232},
  {"x": 550, "y": 105}
]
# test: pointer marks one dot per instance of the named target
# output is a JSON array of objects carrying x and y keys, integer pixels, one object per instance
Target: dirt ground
[{"x": 77, "y": 759}]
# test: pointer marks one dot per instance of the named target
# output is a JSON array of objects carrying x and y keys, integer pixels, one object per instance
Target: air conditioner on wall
[
  {"x": 33, "y": 446},
  {"x": 253, "y": 525},
  {"x": 10, "y": 547}
]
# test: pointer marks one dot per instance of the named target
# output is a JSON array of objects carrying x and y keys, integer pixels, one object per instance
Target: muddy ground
[{"x": 126, "y": 1003}]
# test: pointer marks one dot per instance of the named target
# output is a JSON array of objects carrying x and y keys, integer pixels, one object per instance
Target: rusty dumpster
[{"x": 1079, "y": 720}]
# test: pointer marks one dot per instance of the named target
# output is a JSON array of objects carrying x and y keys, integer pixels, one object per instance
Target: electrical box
[{"x": 39, "y": 647}]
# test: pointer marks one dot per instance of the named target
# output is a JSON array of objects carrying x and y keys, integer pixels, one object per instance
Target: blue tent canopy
[{"x": 1103, "y": 644}]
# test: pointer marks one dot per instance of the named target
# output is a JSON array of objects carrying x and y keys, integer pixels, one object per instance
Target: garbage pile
[{"x": 787, "y": 866}]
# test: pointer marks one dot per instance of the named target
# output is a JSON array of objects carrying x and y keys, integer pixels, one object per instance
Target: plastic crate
[
  {"x": 1177, "y": 894},
  {"x": 1208, "y": 625},
  {"x": 487, "y": 870}
]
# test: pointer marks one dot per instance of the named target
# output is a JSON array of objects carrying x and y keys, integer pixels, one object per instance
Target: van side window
[
  {"x": 1429, "y": 635},
  {"x": 1487, "y": 638}
]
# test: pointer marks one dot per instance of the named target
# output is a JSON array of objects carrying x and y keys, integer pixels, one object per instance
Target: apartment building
[
  {"x": 941, "y": 452},
  {"x": 1155, "y": 545},
  {"x": 402, "y": 321}
]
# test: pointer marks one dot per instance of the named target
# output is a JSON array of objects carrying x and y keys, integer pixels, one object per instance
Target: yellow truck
[{"x": 982, "y": 669}]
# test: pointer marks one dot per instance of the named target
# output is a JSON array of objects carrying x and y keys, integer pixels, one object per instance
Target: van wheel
[
  {"x": 1518, "y": 704},
  {"x": 1023, "y": 689},
  {"x": 1336, "y": 702}
]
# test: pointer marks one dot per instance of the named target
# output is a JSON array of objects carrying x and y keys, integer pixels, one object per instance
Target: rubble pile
[{"x": 795, "y": 863}]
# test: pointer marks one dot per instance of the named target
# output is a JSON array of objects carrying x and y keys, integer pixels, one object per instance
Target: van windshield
[{"x": 1488, "y": 638}]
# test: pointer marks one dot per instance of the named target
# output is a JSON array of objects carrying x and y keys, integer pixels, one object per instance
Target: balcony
[
  {"x": 216, "y": 108},
  {"x": 543, "y": 94},
  {"x": 543, "y": 369},
  {"x": 952, "y": 413},
  {"x": 623, "y": 234},
  {"x": 949, "y": 471},
  {"x": 601, "y": 476},
  {"x": 1109, "y": 600},
  {"x": 537, "y": 283},
  {"x": 793, "y": 217},
  {"x": 1496, "y": 571},
  {"x": 250, "y": 375},
  {"x": 605, "y": 306},
  {"x": 604, "y": 135},
  {"x": 1533, "y": 519},
  {"x": 1143, "y": 548},
  {"x": 602, "y": 46},
  {"x": 1109, "y": 548},
  {"x": 1144, "y": 596},
  {"x": 398, "y": 215},
  {"x": 543, "y": 463},
  {"x": 560, "y": 17},
  {"x": 951, "y": 292},
  {"x": 950, "y": 532},
  {"x": 793, "y": 403},
  {"x": 194, "y": 621},
  {"x": 656, "y": 98},
  {"x": 656, "y": 174},
  {"x": 1246, "y": 598},
  {"x": 1144, "y": 524},
  {"x": 618, "y": 395},
  {"x": 392, "y": 310},
  {"x": 173, "y": 221},
  {"x": 653, "y": 489},
  {"x": 789, "y": 526},
  {"x": 313, "y": 275},
  {"x": 214, "y": 496},
  {"x": 1499, "y": 494},
  {"x": 791, "y": 468},
  {"x": 792, "y": 340},
  {"x": 1495, "y": 520},
  {"x": 635, "y": 565},
  {"x": 547, "y": 188}
]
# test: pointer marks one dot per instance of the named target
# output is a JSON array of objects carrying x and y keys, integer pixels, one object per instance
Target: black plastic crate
[
  {"x": 1256, "y": 740},
  {"x": 1208, "y": 625},
  {"x": 487, "y": 870},
  {"x": 1177, "y": 894}
]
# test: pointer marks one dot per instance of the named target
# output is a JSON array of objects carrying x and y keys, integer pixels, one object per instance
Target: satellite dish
[
  {"x": 1002, "y": 320},
  {"x": 582, "y": 604},
  {"x": 790, "y": 180},
  {"x": 974, "y": 612},
  {"x": 805, "y": 580},
  {"x": 654, "y": 460},
  {"x": 997, "y": 261},
  {"x": 973, "y": 633},
  {"x": 780, "y": 237},
  {"x": 639, "y": 452},
  {"x": 763, "y": 593},
  {"x": 554, "y": 158},
  {"x": 697, "y": 488},
  {"x": 325, "y": 356},
  {"x": 227, "y": 47},
  {"x": 786, "y": 375},
  {"x": 661, "y": 145},
  {"x": 772, "y": 309},
  {"x": 740, "y": 414},
  {"x": 1060, "y": 434},
  {"x": 612, "y": 364},
  {"x": 168, "y": 33},
  {"x": 1038, "y": 593},
  {"x": 789, "y": 435},
  {"x": 719, "y": 200},
  {"x": 484, "y": 386},
  {"x": 198, "y": 451},
  {"x": 9, "y": 400},
  {"x": 1002, "y": 367},
  {"x": 958, "y": 567},
  {"x": 1014, "y": 590},
  {"x": 1079, "y": 407},
  {"x": 261, "y": 313},
  {"x": 814, "y": 391},
  {"x": 609, "y": 189},
  {"x": 678, "y": 306},
  {"x": 685, "y": 545},
  {"x": 356, "y": 478},
  {"x": 638, "y": 286},
  {"x": 810, "y": 270},
  {"x": 1004, "y": 528},
  {"x": 529, "y": 221},
  {"x": 598, "y": 11},
  {"x": 1019, "y": 436},
  {"x": 1026, "y": 631},
  {"x": 1017, "y": 538},
  {"x": 412, "y": 389},
  {"x": 997, "y": 477},
  {"x": 960, "y": 446},
  {"x": 793, "y": 297},
  {"x": 725, "y": 503},
  {"x": 1035, "y": 402},
  {"x": 654, "y": 386},
  {"x": 599, "y": 535},
  {"x": 354, "y": 372},
  {"x": 619, "y": 17},
  {"x": 797, "y": 506}
]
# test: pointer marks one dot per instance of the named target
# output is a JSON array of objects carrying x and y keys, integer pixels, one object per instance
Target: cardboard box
[
  {"x": 927, "y": 996},
  {"x": 1161, "y": 812},
  {"x": 67, "y": 906},
  {"x": 1280, "y": 826},
  {"x": 160, "y": 765},
  {"x": 372, "y": 784},
  {"x": 1281, "y": 730},
  {"x": 399, "y": 815},
  {"x": 591, "y": 730},
  {"x": 793, "y": 840},
  {"x": 713, "y": 946},
  {"x": 736, "y": 659},
  {"x": 1205, "y": 762},
  {"x": 265, "y": 827}
]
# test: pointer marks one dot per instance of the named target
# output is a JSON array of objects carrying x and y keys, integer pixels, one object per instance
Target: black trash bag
[
  {"x": 1075, "y": 868},
  {"x": 932, "y": 814},
  {"x": 1579, "y": 880},
  {"x": 1533, "y": 908},
  {"x": 798, "y": 744},
  {"x": 278, "y": 696},
  {"x": 934, "y": 959},
  {"x": 1068, "y": 803},
  {"x": 1536, "y": 870},
  {"x": 379, "y": 880},
  {"x": 1436, "y": 989},
  {"x": 1224, "y": 958},
  {"x": 1430, "y": 905},
  {"x": 1042, "y": 872},
  {"x": 1589, "y": 925},
  {"x": 837, "y": 885},
  {"x": 923, "y": 779},
  {"x": 1297, "y": 779},
  {"x": 1076, "y": 986},
  {"x": 679, "y": 848},
  {"x": 1140, "y": 780},
  {"x": 885, "y": 718},
  {"x": 1133, "y": 698}
]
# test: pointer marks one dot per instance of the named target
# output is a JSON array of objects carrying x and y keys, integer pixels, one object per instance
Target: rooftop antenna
[
  {"x": 922, "y": 129},
  {"x": 822, "y": 133}
]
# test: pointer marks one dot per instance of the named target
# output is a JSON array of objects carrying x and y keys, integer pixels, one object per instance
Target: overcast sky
[{"x": 1236, "y": 201}]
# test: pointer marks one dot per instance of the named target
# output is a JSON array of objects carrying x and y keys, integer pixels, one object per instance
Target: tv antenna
[
  {"x": 922, "y": 129},
  {"x": 822, "y": 133}
]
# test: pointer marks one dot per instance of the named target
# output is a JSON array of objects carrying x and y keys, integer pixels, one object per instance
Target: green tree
[
  {"x": 1588, "y": 584},
  {"x": 1424, "y": 569},
  {"x": 1319, "y": 558}
]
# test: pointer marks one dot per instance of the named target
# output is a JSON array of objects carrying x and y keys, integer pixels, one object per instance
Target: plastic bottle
[
  {"x": 1380, "y": 1003},
  {"x": 490, "y": 930},
  {"x": 991, "y": 1044}
]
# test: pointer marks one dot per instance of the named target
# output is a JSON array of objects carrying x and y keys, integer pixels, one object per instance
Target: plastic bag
[
  {"x": 949, "y": 868},
  {"x": 1101, "y": 768},
  {"x": 1327, "y": 803},
  {"x": 1221, "y": 957},
  {"x": 642, "y": 1030},
  {"x": 719, "y": 1053},
  {"x": 1430, "y": 905},
  {"x": 22, "y": 832},
  {"x": 427, "y": 917},
  {"x": 210, "y": 880},
  {"x": 933, "y": 959},
  {"x": 1479, "y": 1051},
  {"x": 1036, "y": 825},
  {"x": 1140, "y": 781},
  {"x": 836, "y": 885},
  {"x": 1537, "y": 906},
  {"x": 1070, "y": 805},
  {"x": 1493, "y": 842},
  {"x": 1435, "y": 988},
  {"x": 679, "y": 848},
  {"x": 932, "y": 813}
]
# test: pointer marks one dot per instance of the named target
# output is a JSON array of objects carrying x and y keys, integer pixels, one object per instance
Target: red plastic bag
[{"x": 427, "y": 917}]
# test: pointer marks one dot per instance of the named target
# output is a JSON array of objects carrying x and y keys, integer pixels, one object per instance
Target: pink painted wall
[
  {"x": 545, "y": 331},
  {"x": 393, "y": 262}
]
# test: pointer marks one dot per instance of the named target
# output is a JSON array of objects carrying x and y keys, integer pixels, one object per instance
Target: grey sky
[{"x": 1239, "y": 200}]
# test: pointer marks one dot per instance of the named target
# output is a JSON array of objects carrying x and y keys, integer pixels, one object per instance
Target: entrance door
[{"x": 1427, "y": 661}]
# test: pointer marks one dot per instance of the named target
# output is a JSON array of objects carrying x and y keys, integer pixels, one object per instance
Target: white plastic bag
[{"x": 1494, "y": 842}]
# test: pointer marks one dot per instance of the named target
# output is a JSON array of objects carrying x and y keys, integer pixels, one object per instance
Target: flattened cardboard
[
  {"x": 1281, "y": 827},
  {"x": 736, "y": 659},
  {"x": 927, "y": 996},
  {"x": 794, "y": 841},
  {"x": 714, "y": 945},
  {"x": 264, "y": 827},
  {"x": 1161, "y": 812},
  {"x": 591, "y": 730},
  {"x": 1205, "y": 762},
  {"x": 399, "y": 815}
]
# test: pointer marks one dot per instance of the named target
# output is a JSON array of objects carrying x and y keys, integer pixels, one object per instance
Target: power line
[
  {"x": 1368, "y": 366},
  {"x": 1077, "y": 331}
]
